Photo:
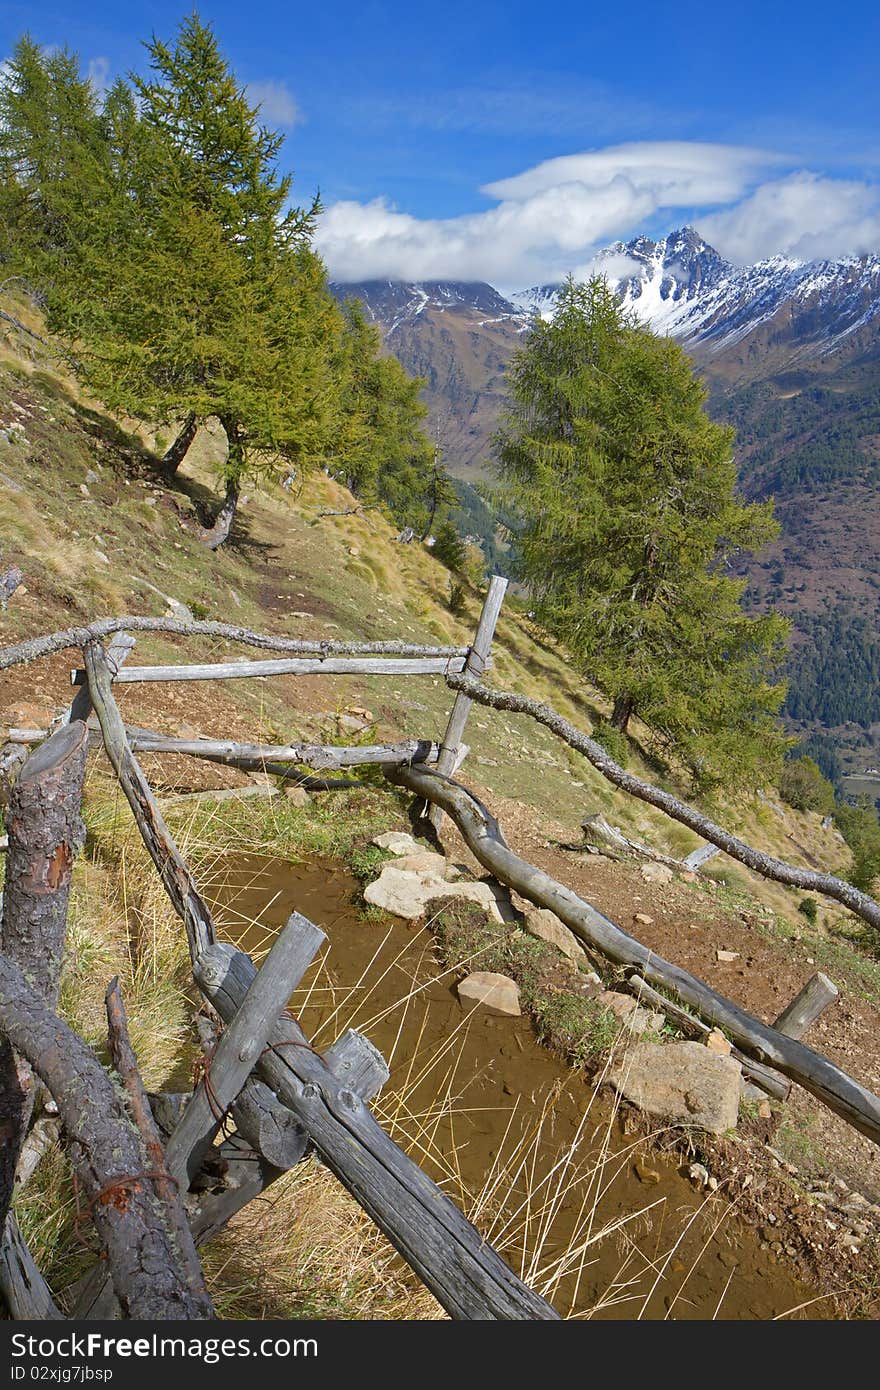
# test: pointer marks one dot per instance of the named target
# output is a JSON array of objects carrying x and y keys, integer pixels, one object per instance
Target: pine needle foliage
[{"x": 627, "y": 526}]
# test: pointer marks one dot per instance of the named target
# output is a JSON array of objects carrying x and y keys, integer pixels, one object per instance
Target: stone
[
  {"x": 397, "y": 842},
  {"x": 497, "y": 993},
  {"x": 656, "y": 873},
  {"x": 631, "y": 1014},
  {"x": 688, "y": 876},
  {"x": 541, "y": 922},
  {"x": 716, "y": 1042},
  {"x": 479, "y": 893},
  {"x": 400, "y": 893},
  {"x": 682, "y": 1083},
  {"x": 699, "y": 1174},
  {"x": 297, "y": 795},
  {"x": 764, "y": 1110},
  {"x": 727, "y": 956},
  {"x": 407, "y": 894},
  {"x": 358, "y": 709},
  {"x": 429, "y": 865},
  {"x": 261, "y": 779},
  {"x": 642, "y": 918}
]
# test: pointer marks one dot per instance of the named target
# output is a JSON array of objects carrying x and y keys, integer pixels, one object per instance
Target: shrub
[
  {"x": 615, "y": 743},
  {"x": 803, "y": 787},
  {"x": 809, "y": 908}
]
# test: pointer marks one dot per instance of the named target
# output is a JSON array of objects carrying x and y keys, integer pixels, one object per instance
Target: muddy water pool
[{"x": 602, "y": 1225}]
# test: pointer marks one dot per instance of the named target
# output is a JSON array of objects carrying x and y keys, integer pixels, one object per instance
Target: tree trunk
[
  {"x": 219, "y": 532},
  {"x": 622, "y": 712},
  {"x": 173, "y": 458},
  {"x": 45, "y": 835}
]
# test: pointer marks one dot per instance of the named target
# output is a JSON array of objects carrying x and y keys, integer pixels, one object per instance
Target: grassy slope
[{"x": 86, "y": 548}]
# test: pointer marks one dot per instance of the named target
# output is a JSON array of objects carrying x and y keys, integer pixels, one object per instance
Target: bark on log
[
  {"x": 118, "y": 649},
  {"x": 46, "y": 833},
  {"x": 477, "y": 662},
  {"x": 841, "y": 1093},
  {"x": 167, "y": 1188},
  {"x": 176, "y": 877},
  {"x": 319, "y": 757},
  {"x": 445, "y": 1250},
  {"x": 106, "y": 1152},
  {"x": 241, "y": 1045},
  {"x": 12, "y": 759},
  {"x": 859, "y": 903},
  {"x": 9, "y": 582},
  {"x": 78, "y": 636},
  {"x": 290, "y": 666}
]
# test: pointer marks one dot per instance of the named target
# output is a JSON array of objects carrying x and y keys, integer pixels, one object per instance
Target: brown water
[{"x": 600, "y": 1225}]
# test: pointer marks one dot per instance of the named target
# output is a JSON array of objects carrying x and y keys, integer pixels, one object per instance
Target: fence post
[{"x": 476, "y": 663}]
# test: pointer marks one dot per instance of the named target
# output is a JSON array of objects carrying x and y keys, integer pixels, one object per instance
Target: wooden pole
[
  {"x": 477, "y": 662},
  {"x": 806, "y": 1006},
  {"x": 859, "y": 903},
  {"x": 95, "y": 632},
  {"x": 840, "y": 1092},
  {"x": 176, "y": 878},
  {"x": 291, "y": 666}
]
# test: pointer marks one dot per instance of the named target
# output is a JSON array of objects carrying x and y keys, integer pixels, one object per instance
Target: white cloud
[
  {"x": 554, "y": 217},
  {"x": 803, "y": 215},
  {"x": 278, "y": 105},
  {"x": 545, "y": 220}
]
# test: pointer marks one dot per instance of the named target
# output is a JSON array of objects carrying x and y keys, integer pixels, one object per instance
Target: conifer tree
[{"x": 627, "y": 523}]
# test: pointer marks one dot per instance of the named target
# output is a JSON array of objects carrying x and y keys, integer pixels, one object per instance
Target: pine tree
[
  {"x": 627, "y": 522},
  {"x": 183, "y": 283}
]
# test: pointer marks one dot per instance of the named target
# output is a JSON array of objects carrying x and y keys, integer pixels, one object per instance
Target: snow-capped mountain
[{"x": 682, "y": 286}]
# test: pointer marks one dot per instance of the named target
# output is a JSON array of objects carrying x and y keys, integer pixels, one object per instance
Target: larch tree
[{"x": 627, "y": 522}]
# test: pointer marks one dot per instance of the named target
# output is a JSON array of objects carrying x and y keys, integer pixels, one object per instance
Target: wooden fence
[{"x": 282, "y": 1095}]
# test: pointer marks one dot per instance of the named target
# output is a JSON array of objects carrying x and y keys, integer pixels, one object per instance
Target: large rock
[
  {"x": 630, "y": 1012},
  {"x": 397, "y": 842},
  {"x": 541, "y": 922},
  {"x": 408, "y": 894},
  {"x": 682, "y": 1083},
  {"x": 496, "y": 992}
]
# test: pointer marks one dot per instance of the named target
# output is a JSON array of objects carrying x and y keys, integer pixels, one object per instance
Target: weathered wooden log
[
  {"x": 176, "y": 877},
  {"x": 167, "y": 1188},
  {"x": 28, "y": 1296},
  {"x": 859, "y": 903},
  {"x": 807, "y": 1005},
  {"x": 700, "y": 856},
  {"x": 477, "y": 662},
  {"x": 118, "y": 649},
  {"x": 276, "y": 1138},
  {"x": 841, "y": 1093},
  {"x": 291, "y": 666},
  {"x": 9, "y": 581},
  {"x": 802, "y": 1012},
  {"x": 239, "y": 1047},
  {"x": 46, "y": 832},
  {"x": 765, "y": 1077},
  {"x": 97, "y": 631},
  {"x": 445, "y": 1250},
  {"x": 319, "y": 757},
  {"x": 107, "y": 1155}
]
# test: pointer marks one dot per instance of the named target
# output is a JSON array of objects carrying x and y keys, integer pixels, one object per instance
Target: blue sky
[{"x": 509, "y": 141}]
